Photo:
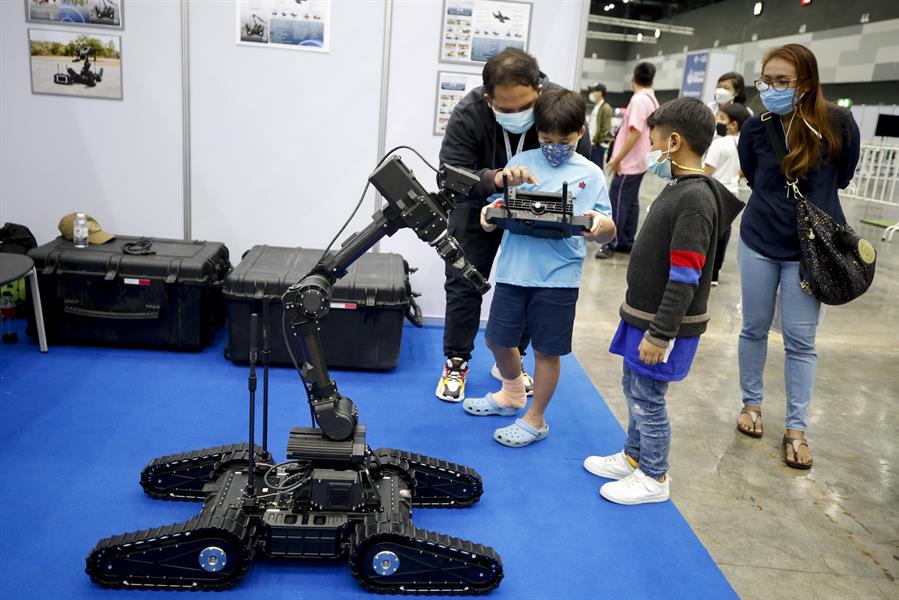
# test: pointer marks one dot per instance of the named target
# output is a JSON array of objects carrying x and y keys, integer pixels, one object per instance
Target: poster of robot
[
  {"x": 88, "y": 65},
  {"x": 451, "y": 88},
  {"x": 296, "y": 24},
  {"x": 475, "y": 30},
  {"x": 96, "y": 13}
]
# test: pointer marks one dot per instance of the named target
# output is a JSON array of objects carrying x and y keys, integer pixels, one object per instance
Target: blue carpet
[{"x": 79, "y": 424}]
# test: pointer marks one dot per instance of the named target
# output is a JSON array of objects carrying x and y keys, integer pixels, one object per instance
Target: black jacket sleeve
[
  {"x": 746, "y": 152},
  {"x": 461, "y": 147},
  {"x": 850, "y": 149}
]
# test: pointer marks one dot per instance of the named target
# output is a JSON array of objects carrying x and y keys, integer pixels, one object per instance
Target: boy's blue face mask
[
  {"x": 662, "y": 169},
  {"x": 556, "y": 154},
  {"x": 518, "y": 122}
]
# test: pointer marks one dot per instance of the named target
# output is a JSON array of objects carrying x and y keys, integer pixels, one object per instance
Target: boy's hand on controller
[
  {"x": 488, "y": 227},
  {"x": 650, "y": 353},
  {"x": 516, "y": 175},
  {"x": 597, "y": 225}
]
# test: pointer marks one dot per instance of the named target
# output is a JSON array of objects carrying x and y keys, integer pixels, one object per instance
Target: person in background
[
  {"x": 665, "y": 306},
  {"x": 628, "y": 165},
  {"x": 822, "y": 145},
  {"x": 723, "y": 163},
  {"x": 488, "y": 127},
  {"x": 730, "y": 88},
  {"x": 601, "y": 121}
]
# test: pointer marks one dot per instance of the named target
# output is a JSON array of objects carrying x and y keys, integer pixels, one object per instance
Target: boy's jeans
[
  {"x": 760, "y": 277},
  {"x": 648, "y": 429}
]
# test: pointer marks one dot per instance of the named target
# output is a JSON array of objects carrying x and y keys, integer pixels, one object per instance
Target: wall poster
[
  {"x": 295, "y": 24},
  {"x": 69, "y": 63},
  {"x": 451, "y": 88},
  {"x": 96, "y": 13},
  {"x": 475, "y": 30},
  {"x": 696, "y": 67}
]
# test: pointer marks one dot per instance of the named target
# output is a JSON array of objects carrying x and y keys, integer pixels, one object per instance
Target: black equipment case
[
  {"x": 130, "y": 291},
  {"x": 364, "y": 327}
]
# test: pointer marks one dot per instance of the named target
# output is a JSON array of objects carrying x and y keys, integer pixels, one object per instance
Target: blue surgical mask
[
  {"x": 556, "y": 154},
  {"x": 515, "y": 122},
  {"x": 662, "y": 169},
  {"x": 780, "y": 102}
]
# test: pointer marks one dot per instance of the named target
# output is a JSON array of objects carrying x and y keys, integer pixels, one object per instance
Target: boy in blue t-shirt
[{"x": 538, "y": 278}]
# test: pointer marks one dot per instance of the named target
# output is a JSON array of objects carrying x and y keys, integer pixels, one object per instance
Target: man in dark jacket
[{"x": 487, "y": 128}]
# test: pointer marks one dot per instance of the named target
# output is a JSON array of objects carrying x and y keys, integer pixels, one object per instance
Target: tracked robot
[
  {"x": 87, "y": 76},
  {"x": 335, "y": 497}
]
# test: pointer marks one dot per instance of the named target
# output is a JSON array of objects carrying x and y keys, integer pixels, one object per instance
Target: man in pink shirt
[{"x": 628, "y": 164}]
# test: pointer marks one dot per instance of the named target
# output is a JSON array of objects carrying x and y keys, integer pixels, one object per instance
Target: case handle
[
  {"x": 108, "y": 314},
  {"x": 413, "y": 313}
]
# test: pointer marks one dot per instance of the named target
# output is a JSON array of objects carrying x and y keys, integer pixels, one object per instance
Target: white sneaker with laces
[
  {"x": 636, "y": 488},
  {"x": 615, "y": 466},
  {"x": 528, "y": 380}
]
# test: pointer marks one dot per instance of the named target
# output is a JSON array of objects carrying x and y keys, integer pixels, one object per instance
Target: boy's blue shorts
[{"x": 547, "y": 312}]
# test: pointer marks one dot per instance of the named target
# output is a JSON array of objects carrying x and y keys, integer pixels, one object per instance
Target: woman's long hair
[{"x": 805, "y": 146}]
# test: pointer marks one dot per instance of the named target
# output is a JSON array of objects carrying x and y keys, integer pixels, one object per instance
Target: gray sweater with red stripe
[{"x": 670, "y": 269}]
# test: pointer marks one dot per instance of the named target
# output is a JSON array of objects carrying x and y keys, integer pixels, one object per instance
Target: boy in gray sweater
[{"x": 668, "y": 281}]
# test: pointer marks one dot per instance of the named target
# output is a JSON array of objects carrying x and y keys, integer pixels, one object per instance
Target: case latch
[
  {"x": 173, "y": 270},
  {"x": 112, "y": 267}
]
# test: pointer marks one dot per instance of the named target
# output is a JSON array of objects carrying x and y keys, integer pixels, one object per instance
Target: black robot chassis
[{"x": 335, "y": 497}]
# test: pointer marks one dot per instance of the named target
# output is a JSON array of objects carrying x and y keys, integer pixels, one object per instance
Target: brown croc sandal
[
  {"x": 756, "y": 417},
  {"x": 796, "y": 444}
]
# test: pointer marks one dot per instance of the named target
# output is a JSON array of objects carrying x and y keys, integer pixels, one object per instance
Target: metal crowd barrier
[{"x": 875, "y": 179}]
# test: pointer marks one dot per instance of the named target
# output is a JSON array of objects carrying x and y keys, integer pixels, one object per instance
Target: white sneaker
[
  {"x": 528, "y": 380},
  {"x": 615, "y": 466},
  {"x": 636, "y": 488}
]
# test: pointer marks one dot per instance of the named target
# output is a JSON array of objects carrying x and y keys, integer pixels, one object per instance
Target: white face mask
[
  {"x": 723, "y": 96},
  {"x": 596, "y": 97}
]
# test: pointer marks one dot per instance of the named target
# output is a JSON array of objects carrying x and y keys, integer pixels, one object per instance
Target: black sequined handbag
[{"x": 837, "y": 265}]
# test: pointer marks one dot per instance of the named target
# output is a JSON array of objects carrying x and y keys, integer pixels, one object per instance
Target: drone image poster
[
  {"x": 295, "y": 24},
  {"x": 475, "y": 30},
  {"x": 94, "y": 13},
  {"x": 451, "y": 88},
  {"x": 68, "y": 63}
]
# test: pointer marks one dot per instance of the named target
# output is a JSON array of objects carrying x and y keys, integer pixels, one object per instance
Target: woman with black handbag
[{"x": 803, "y": 149}]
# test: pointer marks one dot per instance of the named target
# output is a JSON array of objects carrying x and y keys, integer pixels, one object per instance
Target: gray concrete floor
[{"x": 831, "y": 532}]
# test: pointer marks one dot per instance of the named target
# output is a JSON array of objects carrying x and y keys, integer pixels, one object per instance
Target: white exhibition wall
[
  {"x": 414, "y": 54},
  {"x": 117, "y": 160},
  {"x": 281, "y": 140}
]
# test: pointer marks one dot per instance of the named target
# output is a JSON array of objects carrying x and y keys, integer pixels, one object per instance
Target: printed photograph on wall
[
  {"x": 88, "y": 65},
  {"x": 475, "y": 30},
  {"x": 303, "y": 25},
  {"x": 96, "y": 13},
  {"x": 451, "y": 88}
]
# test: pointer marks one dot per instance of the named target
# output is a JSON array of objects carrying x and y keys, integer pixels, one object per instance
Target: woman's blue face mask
[{"x": 780, "y": 102}]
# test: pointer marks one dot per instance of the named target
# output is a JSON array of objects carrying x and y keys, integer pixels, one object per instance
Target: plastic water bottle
[{"x": 80, "y": 231}]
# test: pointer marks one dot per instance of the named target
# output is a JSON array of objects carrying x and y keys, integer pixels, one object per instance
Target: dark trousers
[
  {"x": 463, "y": 302},
  {"x": 624, "y": 194},
  {"x": 719, "y": 253},
  {"x": 598, "y": 156}
]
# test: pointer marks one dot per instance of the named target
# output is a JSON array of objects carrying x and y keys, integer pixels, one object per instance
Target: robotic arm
[{"x": 306, "y": 302}]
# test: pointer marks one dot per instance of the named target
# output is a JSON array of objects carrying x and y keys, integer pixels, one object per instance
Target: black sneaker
[
  {"x": 451, "y": 386},
  {"x": 605, "y": 251}
]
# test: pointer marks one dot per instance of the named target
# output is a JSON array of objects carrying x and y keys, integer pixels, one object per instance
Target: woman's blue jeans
[{"x": 760, "y": 278}]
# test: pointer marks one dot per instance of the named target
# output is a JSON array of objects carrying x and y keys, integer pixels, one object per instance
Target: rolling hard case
[
  {"x": 364, "y": 327},
  {"x": 145, "y": 292}
]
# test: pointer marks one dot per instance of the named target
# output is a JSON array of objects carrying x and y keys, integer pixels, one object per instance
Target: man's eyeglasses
[{"x": 779, "y": 84}]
